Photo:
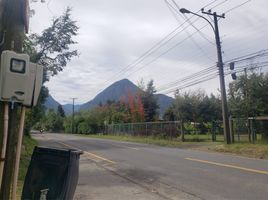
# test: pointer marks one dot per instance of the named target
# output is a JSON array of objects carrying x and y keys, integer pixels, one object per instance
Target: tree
[
  {"x": 195, "y": 107},
  {"x": 169, "y": 115},
  {"x": 53, "y": 121},
  {"x": 248, "y": 97},
  {"x": 135, "y": 107},
  {"x": 61, "y": 111},
  {"x": 149, "y": 102},
  {"x": 51, "y": 49},
  {"x": 209, "y": 109}
]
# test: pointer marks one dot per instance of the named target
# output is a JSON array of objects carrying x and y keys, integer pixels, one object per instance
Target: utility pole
[
  {"x": 225, "y": 114},
  {"x": 12, "y": 29},
  {"x": 215, "y": 28},
  {"x": 247, "y": 105},
  {"x": 73, "y": 116}
]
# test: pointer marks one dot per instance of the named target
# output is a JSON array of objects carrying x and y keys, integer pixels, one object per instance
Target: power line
[
  {"x": 218, "y": 4},
  {"x": 237, "y": 6},
  {"x": 195, "y": 82},
  {"x": 202, "y": 72},
  {"x": 212, "y": 76},
  {"x": 209, "y": 73},
  {"x": 158, "y": 45},
  {"x": 165, "y": 52},
  {"x": 175, "y": 12},
  {"x": 162, "y": 43},
  {"x": 189, "y": 21}
]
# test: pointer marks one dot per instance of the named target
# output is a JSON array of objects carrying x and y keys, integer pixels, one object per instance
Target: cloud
[{"x": 115, "y": 33}]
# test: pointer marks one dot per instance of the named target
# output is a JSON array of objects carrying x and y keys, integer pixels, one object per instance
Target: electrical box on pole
[
  {"x": 233, "y": 74},
  {"x": 20, "y": 80}
]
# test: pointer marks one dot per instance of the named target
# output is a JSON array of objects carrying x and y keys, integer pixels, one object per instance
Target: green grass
[
  {"x": 26, "y": 153},
  {"x": 245, "y": 149},
  {"x": 201, "y": 142},
  {"x": 190, "y": 140}
]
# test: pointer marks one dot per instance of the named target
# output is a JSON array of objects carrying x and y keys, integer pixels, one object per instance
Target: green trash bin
[{"x": 52, "y": 174}]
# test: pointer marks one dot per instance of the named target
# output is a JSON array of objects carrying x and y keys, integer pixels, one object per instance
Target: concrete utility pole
[
  {"x": 73, "y": 116},
  {"x": 12, "y": 29},
  {"x": 215, "y": 28}
]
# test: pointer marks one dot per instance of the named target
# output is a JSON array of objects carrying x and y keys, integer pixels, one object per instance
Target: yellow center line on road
[
  {"x": 229, "y": 166},
  {"x": 88, "y": 153}
]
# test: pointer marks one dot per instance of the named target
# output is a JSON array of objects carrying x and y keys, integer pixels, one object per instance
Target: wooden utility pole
[
  {"x": 215, "y": 28},
  {"x": 247, "y": 104},
  {"x": 12, "y": 29},
  {"x": 73, "y": 116}
]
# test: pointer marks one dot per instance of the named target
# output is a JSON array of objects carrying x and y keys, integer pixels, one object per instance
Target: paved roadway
[{"x": 120, "y": 170}]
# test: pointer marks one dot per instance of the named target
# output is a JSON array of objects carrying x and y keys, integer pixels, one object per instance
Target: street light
[
  {"x": 220, "y": 66},
  {"x": 185, "y": 11}
]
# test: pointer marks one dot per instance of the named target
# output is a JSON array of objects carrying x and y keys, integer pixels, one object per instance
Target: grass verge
[
  {"x": 26, "y": 153},
  {"x": 244, "y": 149},
  {"x": 189, "y": 143}
]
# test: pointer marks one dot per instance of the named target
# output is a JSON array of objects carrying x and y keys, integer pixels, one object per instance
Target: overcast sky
[{"x": 114, "y": 33}]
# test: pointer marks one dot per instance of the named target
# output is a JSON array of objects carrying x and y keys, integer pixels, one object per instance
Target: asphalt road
[{"x": 121, "y": 170}]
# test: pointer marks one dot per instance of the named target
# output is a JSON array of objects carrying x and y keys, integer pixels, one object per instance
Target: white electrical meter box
[{"x": 18, "y": 79}]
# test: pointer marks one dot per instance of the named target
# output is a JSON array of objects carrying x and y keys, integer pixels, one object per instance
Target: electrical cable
[
  {"x": 154, "y": 48},
  {"x": 197, "y": 74},
  {"x": 162, "y": 43},
  {"x": 172, "y": 9},
  {"x": 237, "y": 6},
  {"x": 189, "y": 21},
  {"x": 259, "y": 54}
]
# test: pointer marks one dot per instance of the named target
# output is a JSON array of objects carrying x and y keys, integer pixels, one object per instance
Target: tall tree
[
  {"x": 61, "y": 111},
  {"x": 51, "y": 49},
  {"x": 149, "y": 102}
]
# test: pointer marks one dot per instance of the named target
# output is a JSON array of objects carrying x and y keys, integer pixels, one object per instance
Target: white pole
[
  {"x": 18, "y": 151},
  {"x": 4, "y": 142}
]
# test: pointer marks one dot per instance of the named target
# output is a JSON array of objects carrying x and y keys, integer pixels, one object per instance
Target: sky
[{"x": 114, "y": 34}]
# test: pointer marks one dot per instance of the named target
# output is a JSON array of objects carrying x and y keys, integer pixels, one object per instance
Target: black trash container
[{"x": 52, "y": 174}]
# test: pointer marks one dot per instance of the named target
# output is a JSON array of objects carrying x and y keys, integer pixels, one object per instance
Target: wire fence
[
  {"x": 251, "y": 129},
  {"x": 242, "y": 130},
  {"x": 167, "y": 129}
]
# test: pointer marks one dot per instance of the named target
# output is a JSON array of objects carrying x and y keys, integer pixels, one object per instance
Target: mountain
[
  {"x": 120, "y": 89},
  {"x": 68, "y": 108},
  {"x": 51, "y": 103},
  {"x": 113, "y": 92},
  {"x": 164, "y": 103}
]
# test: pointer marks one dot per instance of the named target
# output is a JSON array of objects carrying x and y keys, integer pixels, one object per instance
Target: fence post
[
  {"x": 252, "y": 132},
  {"x": 213, "y": 131},
  {"x": 146, "y": 129},
  {"x": 182, "y": 131},
  {"x": 231, "y": 129},
  {"x": 249, "y": 131}
]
